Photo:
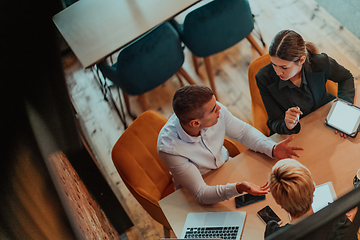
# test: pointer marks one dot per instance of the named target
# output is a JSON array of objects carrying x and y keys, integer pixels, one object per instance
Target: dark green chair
[
  {"x": 147, "y": 63},
  {"x": 214, "y": 27}
]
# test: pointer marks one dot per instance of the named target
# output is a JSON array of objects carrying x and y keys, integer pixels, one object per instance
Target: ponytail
[{"x": 311, "y": 48}]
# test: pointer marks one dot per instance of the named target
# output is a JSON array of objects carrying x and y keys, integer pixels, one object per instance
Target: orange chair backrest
[
  {"x": 139, "y": 165},
  {"x": 332, "y": 87},
  {"x": 259, "y": 113}
]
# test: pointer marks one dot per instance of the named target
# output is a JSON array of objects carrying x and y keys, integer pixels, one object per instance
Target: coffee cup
[{"x": 356, "y": 180}]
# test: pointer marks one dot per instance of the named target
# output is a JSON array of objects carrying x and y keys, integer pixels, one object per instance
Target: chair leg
[
  {"x": 259, "y": 49},
  {"x": 143, "y": 102},
  {"x": 210, "y": 75},
  {"x": 180, "y": 81},
  {"x": 196, "y": 66},
  {"x": 127, "y": 104},
  {"x": 183, "y": 73},
  {"x": 166, "y": 232}
]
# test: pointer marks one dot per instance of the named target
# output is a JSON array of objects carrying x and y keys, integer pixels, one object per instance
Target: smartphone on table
[
  {"x": 247, "y": 199},
  {"x": 267, "y": 214}
]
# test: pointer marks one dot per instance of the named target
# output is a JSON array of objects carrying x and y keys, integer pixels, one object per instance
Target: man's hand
[
  {"x": 283, "y": 150},
  {"x": 252, "y": 188}
]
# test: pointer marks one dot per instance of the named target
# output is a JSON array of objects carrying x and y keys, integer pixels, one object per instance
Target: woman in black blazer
[{"x": 294, "y": 83}]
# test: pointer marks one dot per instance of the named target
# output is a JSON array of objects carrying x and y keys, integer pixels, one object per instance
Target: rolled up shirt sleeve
[{"x": 187, "y": 175}]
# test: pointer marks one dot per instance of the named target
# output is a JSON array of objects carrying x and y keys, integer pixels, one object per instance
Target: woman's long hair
[{"x": 290, "y": 46}]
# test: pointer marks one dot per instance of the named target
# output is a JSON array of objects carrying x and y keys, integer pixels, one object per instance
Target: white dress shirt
[{"x": 188, "y": 158}]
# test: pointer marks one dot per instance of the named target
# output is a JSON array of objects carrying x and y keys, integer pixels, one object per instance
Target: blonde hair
[{"x": 292, "y": 186}]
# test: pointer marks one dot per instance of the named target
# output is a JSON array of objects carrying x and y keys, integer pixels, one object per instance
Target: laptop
[
  {"x": 324, "y": 195},
  {"x": 223, "y": 225}
]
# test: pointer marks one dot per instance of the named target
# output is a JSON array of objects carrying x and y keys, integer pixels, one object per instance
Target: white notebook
[
  {"x": 197, "y": 222},
  {"x": 323, "y": 195}
]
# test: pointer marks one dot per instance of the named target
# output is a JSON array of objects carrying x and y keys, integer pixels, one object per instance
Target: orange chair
[
  {"x": 140, "y": 167},
  {"x": 259, "y": 113}
]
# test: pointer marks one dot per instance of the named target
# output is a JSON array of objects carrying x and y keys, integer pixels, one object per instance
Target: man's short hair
[
  {"x": 292, "y": 186},
  {"x": 188, "y": 102}
]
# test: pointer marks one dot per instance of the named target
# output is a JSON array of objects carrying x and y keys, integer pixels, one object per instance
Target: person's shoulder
[
  {"x": 318, "y": 61},
  {"x": 319, "y": 57},
  {"x": 264, "y": 71},
  {"x": 271, "y": 227},
  {"x": 169, "y": 129},
  {"x": 266, "y": 75},
  {"x": 167, "y": 136}
]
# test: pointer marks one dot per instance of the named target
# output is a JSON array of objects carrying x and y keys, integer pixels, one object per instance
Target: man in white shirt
[{"x": 191, "y": 144}]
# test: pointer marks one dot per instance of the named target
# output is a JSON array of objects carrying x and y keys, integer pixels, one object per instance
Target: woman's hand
[
  {"x": 341, "y": 134},
  {"x": 292, "y": 117},
  {"x": 252, "y": 188}
]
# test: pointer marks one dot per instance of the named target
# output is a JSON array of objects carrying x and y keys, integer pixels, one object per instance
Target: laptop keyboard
[{"x": 226, "y": 233}]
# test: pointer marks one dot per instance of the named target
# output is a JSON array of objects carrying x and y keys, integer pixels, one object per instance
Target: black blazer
[
  {"x": 317, "y": 71},
  {"x": 336, "y": 230}
]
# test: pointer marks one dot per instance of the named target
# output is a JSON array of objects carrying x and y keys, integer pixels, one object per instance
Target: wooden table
[
  {"x": 95, "y": 29},
  {"x": 328, "y": 156}
]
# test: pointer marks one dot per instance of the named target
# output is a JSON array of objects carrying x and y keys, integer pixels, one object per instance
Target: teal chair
[
  {"x": 214, "y": 27},
  {"x": 147, "y": 63}
]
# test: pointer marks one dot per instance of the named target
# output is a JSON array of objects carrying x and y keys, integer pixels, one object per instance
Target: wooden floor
[{"x": 103, "y": 127}]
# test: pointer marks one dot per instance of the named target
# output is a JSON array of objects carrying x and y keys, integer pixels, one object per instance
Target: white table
[
  {"x": 94, "y": 29},
  {"x": 328, "y": 156}
]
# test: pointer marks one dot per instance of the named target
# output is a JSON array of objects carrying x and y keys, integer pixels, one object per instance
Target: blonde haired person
[{"x": 292, "y": 187}]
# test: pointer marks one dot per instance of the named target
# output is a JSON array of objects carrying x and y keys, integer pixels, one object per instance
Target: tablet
[
  {"x": 324, "y": 195},
  {"x": 344, "y": 117}
]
